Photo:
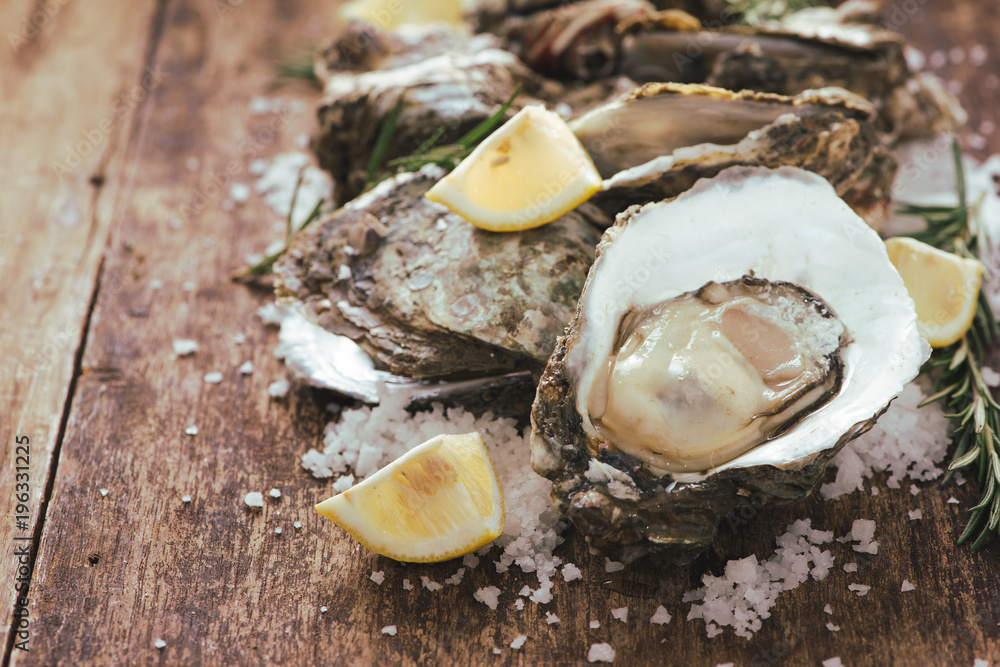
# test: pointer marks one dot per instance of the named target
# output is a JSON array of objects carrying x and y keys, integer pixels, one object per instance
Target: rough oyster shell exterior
[{"x": 426, "y": 294}]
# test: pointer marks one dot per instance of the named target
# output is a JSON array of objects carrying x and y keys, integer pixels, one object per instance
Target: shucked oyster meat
[
  {"x": 657, "y": 141},
  {"x": 426, "y": 294},
  {"x": 727, "y": 343}
]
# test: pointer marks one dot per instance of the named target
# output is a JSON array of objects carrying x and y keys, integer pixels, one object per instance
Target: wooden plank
[
  {"x": 215, "y": 582},
  {"x": 67, "y": 77}
]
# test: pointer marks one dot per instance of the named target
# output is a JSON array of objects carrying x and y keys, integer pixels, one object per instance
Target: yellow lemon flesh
[
  {"x": 944, "y": 287},
  {"x": 438, "y": 501},
  {"x": 527, "y": 173},
  {"x": 390, "y": 14}
]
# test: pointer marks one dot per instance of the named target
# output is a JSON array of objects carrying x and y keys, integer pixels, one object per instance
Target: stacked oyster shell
[{"x": 741, "y": 322}]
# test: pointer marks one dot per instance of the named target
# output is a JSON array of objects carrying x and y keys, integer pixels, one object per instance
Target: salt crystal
[
  {"x": 660, "y": 616},
  {"x": 188, "y": 286},
  {"x": 160, "y": 644},
  {"x": 430, "y": 585},
  {"x": 456, "y": 579},
  {"x": 828, "y": 610},
  {"x": 601, "y": 653},
  {"x": 915, "y": 514},
  {"x": 259, "y": 106},
  {"x": 851, "y": 567},
  {"x": 519, "y": 603},
  {"x": 407, "y": 586},
  {"x": 470, "y": 561},
  {"x": 378, "y": 577},
  {"x": 184, "y": 347},
  {"x": 343, "y": 483},
  {"x": 907, "y": 586},
  {"x": 496, "y": 651},
  {"x": 571, "y": 572},
  {"x": 214, "y": 377},
  {"x": 239, "y": 192},
  {"x": 875, "y": 490},
  {"x": 278, "y": 389},
  {"x": 833, "y": 662},
  {"x": 519, "y": 641},
  {"x": 297, "y": 525},
  {"x": 594, "y": 625},
  {"x": 254, "y": 499},
  {"x": 344, "y": 272},
  {"x": 389, "y": 630},
  {"x": 185, "y": 499},
  {"x": 278, "y": 531},
  {"x": 323, "y": 610},
  {"x": 621, "y": 614},
  {"x": 862, "y": 530},
  {"x": 274, "y": 493},
  {"x": 953, "y": 501},
  {"x": 246, "y": 368},
  {"x": 551, "y": 618},
  {"x": 860, "y": 589},
  {"x": 155, "y": 283},
  {"x": 488, "y": 596},
  {"x": 613, "y": 566},
  {"x": 726, "y": 664},
  {"x": 832, "y": 628},
  {"x": 914, "y": 490},
  {"x": 258, "y": 167},
  {"x": 979, "y": 662},
  {"x": 239, "y": 339},
  {"x": 104, "y": 492},
  {"x": 191, "y": 430}
]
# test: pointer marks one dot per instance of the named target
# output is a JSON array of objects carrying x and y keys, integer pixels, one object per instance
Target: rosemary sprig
[
  {"x": 759, "y": 12},
  {"x": 960, "y": 385},
  {"x": 447, "y": 156},
  {"x": 266, "y": 265}
]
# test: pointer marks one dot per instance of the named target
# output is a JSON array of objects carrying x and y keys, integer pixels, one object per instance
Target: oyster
[
  {"x": 426, "y": 294},
  {"x": 660, "y": 139},
  {"x": 727, "y": 343}
]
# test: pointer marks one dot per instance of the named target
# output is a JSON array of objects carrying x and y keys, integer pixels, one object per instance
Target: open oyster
[
  {"x": 655, "y": 142},
  {"x": 426, "y": 294},
  {"x": 727, "y": 343}
]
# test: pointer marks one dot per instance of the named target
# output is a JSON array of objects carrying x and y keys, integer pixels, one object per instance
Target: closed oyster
[
  {"x": 426, "y": 294},
  {"x": 727, "y": 343},
  {"x": 657, "y": 141}
]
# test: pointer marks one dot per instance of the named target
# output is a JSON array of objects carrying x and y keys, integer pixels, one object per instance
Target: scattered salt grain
[
  {"x": 661, "y": 616},
  {"x": 104, "y": 493},
  {"x": 906, "y": 587},
  {"x": 828, "y": 610},
  {"x": 160, "y": 644},
  {"x": 851, "y": 567},
  {"x": 185, "y": 499},
  {"x": 953, "y": 501},
  {"x": 519, "y": 641},
  {"x": 914, "y": 490},
  {"x": 214, "y": 377},
  {"x": 407, "y": 586},
  {"x": 613, "y": 566},
  {"x": 601, "y": 653},
  {"x": 323, "y": 610},
  {"x": 470, "y": 561},
  {"x": 297, "y": 525},
  {"x": 270, "y": 315},
  {"x": 456, "y": 579},
  {"x": 832, "y": 628},
  {"x": 278, "y": 389},
  {"x": 258, "y": 167},
  {"x": 726, "y": 664},
  {"x": 979, "y": 662},
  {"x": 519, "y": 603},
  {"x": 875, "y": 490},
  {"x": 246, "y": 368},
  {"x": 594, "y": 625},
  {"x": 188, "y": 286},
  {"x": 860, "y": 589},
  {"x": 833, "y": 662},
  {"x": 429, "y": 584},
  {"x": 184, "y": 347},
  {"x": 378, "y": 577},
  {"x": 551, "y": 618},
  {"x": 389, "y": 630},
  {"x": 239, "y": 339},
  {"x": 239, "y": 193},
  {"x": 343, "y": 484},
  {"x": 571, "y": 572},
  {"x": 192, "y": 163},
  {"x": 496, "y": 651},
  {"x": 344, "y": 272},
  {"x": 488, "y": 596},
  {"x": 254, "y": 499},
  {"x": 278, "y": 530},
  {"x": 621, "y": 614},
  {"x": 862, "y": 531},
  {"x": 155, "y": 283},
  {"x": 191, "y": 430},
  {"x": 915, "y": 514},
  {"x": 274, "y": 493}
]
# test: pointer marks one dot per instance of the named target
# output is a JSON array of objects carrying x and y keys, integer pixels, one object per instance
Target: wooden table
[{"x": 113, "y": 123}]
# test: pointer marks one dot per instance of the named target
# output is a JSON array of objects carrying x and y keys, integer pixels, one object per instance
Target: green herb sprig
[
  {"x": 296, "y": 64},
  {"x": 759, "y": 12},
  {"x": 960, "y": 385},
  {"x": 266, "y": 266},
  {"x": 447, "y": 156}
]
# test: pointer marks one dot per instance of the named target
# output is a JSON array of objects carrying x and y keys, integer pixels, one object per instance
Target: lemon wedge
[
  {"x": 944, "y": 287},
  {"x": 527, "y": 173},
  {"x": 390, "y": 14},
  {"x": 438, "y": 501}
]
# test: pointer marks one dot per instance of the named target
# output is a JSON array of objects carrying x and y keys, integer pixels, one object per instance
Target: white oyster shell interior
[{"x": 781, "y": 225}]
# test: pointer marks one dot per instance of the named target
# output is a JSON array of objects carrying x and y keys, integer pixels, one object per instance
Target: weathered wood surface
[
  {"x": 63, "y": 139},
  {"x": 212, "y": 579}
]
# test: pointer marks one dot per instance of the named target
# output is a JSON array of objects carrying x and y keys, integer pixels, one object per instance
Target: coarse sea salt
[
  {"x": 214, "y": 377},
  {"x": 661, "y": 616},
  {"x": 833, "y": 662},
  {"x": 488, "y": 596},
  {"x": 621, "y": 614},
  {"x": 519, "y": 641},
  {"x": 571, "y": 572},
  {"x": 366, "y": 439},
  {"x": 278, "y": 389},
  {"x": 246, "y": 368},
  {"x": 429, "y": 584},
  {"x": 551, "y": 618},
  {"x": 860, "y": 589},
  {"x": 378, "y": 577},
  {"x": 389, "y": 630},
  {"x": 184, "y": 347},
  {"x": 906, "y": 587},
  {"x": 254, "y": 499},
  {"x": 594, "y": 625},
  {"x": 601, "y": 653}
]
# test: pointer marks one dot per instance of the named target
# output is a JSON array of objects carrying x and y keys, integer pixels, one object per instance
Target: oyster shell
[
  {"x": 753, "y": 227},
  {"x": 426, "y": 294},
  {"x": 657, "y": 141}
]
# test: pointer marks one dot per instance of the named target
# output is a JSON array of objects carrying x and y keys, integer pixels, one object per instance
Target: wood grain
[
  {"x": 77, "y": 78},
  {"x": 214, "y": 581}
]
